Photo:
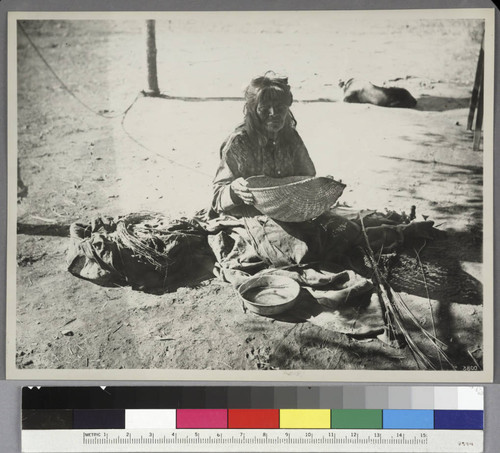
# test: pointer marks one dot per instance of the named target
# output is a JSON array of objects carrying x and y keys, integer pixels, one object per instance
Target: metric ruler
[
  {"x": 223, "y": 419},
  {"x": 297, "y": 440}
]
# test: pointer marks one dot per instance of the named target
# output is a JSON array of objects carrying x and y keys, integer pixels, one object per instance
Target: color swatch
[
  {"x": 150, "y": 418},
  {"x": 235, "y": 407},
  {"x": 202, "y": 418},
  {"x": 253, "y": 419},
  {"x": 357, "y": 419},
  {"x": 305, "y": 419},
  {"x": 408, "y": 419}
]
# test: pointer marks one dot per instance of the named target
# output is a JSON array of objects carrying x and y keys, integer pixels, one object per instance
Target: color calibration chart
[{"x": 255, "y": 419}]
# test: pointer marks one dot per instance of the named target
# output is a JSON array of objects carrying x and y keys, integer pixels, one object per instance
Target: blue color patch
[
  {"x": 408, "y": 419},
  {"x": 460, "y": 419}
]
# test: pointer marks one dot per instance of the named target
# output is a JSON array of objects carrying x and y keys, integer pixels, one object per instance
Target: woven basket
[{"x": 295, "y": 198}]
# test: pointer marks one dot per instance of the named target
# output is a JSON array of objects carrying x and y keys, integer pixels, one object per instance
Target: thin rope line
[
  {"x": 123, "y": 114},
  {"x": 237, "y": 98},
  {"x": 156, "y": 153},
  {"x": 66, "y": 88}
]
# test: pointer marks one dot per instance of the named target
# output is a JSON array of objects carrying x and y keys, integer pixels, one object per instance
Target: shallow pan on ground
[{"x": 269, "y": 295}]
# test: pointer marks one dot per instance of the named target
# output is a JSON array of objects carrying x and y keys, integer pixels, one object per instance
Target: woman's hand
[{"x": 239, "y": 187}]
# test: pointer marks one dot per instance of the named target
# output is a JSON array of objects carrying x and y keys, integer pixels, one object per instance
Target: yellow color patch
[{"x": 305, "y": 418}]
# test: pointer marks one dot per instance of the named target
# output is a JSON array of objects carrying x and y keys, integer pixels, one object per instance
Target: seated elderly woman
[{"x": 267, "y": 143}]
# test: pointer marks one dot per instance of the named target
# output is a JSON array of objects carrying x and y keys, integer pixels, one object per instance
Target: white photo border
[{"x": 485, "y": 375}]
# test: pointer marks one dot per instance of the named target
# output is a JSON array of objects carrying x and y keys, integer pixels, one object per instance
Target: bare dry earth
[{"x": 78, "y": 165}]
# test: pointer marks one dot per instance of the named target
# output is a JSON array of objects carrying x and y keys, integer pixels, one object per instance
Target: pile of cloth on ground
[{"x": 152, "y": 253}]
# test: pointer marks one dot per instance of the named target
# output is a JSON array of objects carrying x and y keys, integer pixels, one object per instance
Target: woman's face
[{"x": 273, "y": 115}]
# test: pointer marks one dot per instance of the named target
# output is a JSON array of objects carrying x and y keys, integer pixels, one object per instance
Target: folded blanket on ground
[
  {"x": 150, "y": 253},
  {"x": 144, "y": 250}
]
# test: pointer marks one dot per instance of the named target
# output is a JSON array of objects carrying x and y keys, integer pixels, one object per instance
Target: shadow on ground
[
  {"x": 441, "y": 104},
  {"x": 43, "y": 230},
  {"x": 441, "y": 275}
]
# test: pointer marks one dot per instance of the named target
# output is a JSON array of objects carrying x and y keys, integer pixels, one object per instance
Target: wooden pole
[
  {"x": 479, "y": 118},
  {"x": 153, "y": 89},
  {"x": 477, "y": 84}
]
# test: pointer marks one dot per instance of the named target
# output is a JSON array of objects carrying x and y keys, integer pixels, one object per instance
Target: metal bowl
[{"x": 269, "y": 295}]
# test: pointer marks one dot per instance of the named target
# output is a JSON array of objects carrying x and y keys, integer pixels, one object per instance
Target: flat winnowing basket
[{"x": 295, "y": 198}]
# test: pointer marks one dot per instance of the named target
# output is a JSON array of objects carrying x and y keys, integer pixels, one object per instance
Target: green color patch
[{"x": 357, "y": 419}]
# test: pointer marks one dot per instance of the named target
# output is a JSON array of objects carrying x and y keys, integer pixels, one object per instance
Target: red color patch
[{"x": 254, "y": 418}]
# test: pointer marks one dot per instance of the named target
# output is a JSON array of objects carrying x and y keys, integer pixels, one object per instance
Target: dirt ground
[{"x": 78, "y": 165}]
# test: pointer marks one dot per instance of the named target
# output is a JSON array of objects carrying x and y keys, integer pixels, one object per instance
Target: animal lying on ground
[{"x": 364, "y": 92}]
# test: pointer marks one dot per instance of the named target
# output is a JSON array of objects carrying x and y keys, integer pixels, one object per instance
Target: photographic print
[{"x": 266, "y": 196}]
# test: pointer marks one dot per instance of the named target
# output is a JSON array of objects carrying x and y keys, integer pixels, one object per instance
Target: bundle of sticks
[{"x": 397, "y": 315}]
